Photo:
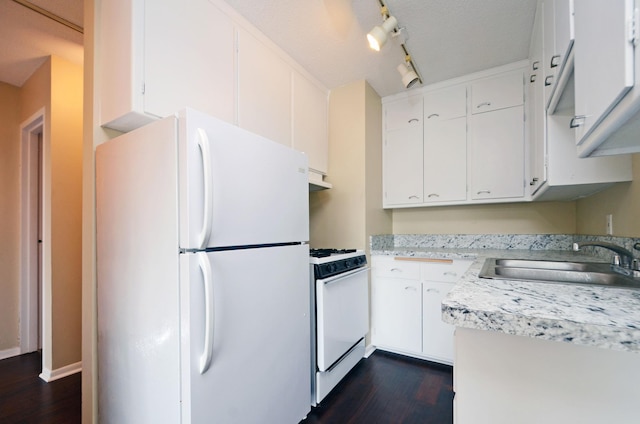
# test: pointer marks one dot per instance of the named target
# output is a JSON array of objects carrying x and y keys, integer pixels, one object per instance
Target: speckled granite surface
[{"x": 588, "y": 315}]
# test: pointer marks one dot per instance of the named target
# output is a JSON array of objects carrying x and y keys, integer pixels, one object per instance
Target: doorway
[{"x": 32, "y": 252}]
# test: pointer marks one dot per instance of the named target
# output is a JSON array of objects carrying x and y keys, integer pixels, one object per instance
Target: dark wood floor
[
  {"x": 385, "y": 388},
  {"x": 388, "y": 388},
  {"x": 25, "y": 398}
]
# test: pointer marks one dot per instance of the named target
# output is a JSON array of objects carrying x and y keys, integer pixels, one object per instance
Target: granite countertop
[{"x": 604, "y": 317}]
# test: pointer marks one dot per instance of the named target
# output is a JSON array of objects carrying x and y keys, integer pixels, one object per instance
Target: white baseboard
[
  {"x": 8, "y": 353},
  {"x": 369, "y": 350},
  {"x": 49, "y": 375}
]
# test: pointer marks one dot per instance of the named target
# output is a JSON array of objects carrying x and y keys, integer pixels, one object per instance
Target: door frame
[{"x": 33, "y": 308}]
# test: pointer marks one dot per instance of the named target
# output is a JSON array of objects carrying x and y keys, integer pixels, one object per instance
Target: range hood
[{"x": 317, "y": 182}]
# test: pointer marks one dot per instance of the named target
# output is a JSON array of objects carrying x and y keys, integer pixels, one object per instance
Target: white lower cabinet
[{"x": 406, "y": 301}]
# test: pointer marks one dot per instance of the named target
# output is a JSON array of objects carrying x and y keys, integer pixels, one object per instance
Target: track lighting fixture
[
  {"x": 379, "y": 34},
  {"x": 409, "y": 77},
  {"x": 378, "y": 37}
]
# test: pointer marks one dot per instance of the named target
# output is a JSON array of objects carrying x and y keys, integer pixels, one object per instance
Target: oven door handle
[{"x": 339, "y": 277}]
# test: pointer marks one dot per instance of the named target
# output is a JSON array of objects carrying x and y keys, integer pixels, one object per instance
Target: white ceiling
[{"x": 446, "y": 38}]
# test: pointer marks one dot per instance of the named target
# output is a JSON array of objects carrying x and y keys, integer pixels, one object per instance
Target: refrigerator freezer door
[
  {"x": 259, "y": 370},
  {"x": 137, "y": 277},
  {"x": 255, "y": 189}
]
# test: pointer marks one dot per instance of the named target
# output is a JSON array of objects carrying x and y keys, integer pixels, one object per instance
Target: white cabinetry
[
  {"x": 496, "y": 138},
  {"x": 402, "y": 150},
  {"x": 556, "y": 172},
  {"x": 406, "y": 305},
  {"x": 264, "y": 90},
  {"x": 157, "y": 58},
  {"x": 604, "y": 68},
  {"x": 558, "y": 42},
  {"x": 445, "y": 145},
  {"x": 310, "y": 132}
]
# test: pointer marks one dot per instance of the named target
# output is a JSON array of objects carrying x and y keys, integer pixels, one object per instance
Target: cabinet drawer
[
  {"x": 497, "y": 92},
  {"x": 444, "y": 272},
  {"x": 445, "y": 104},
  {"x": 394, "y": 268},
  {"x": 403, "y": 113}
]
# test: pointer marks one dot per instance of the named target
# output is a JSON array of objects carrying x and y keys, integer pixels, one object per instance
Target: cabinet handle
[
  {"x": 483, "y": 104},
  {"x": 395, "y": 270},
  {"x": 450, "y": 273},
  {"x": 548, "y": 81},
  {"x": 484, "y": 192},
  {"x": 577, "y": 121},
  {"x": 554, "y": 61},
  {"x": 410, "y": 288},
  {"x": 433, "y": 195},
  {"x": 534, "y": 180},
  {"x": 413, "y": 196},
  {"x": 532, "y": 78},
  {"x": 412, "y": 120},
  {"x": 433, "y": 115},
  {"x": 535, "y": 65},
  {"x": 432, "y": 290}
]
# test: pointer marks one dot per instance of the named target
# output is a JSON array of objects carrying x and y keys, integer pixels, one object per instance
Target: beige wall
[
  {"x": 347, "y": 214},
  {"x": 622, "y": 201},
  {"x": 9, "y": 217},
  {"x": 509, "y": 218},
  {"x": 57, "y": 87}
]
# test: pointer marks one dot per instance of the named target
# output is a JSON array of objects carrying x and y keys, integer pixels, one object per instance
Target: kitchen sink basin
[{"x": 590, "y": 273}]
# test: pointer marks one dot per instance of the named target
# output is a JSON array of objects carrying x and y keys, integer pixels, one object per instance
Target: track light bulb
[
  {"x": 409, "y": 77},
  {"x": 379, "y": 34}
]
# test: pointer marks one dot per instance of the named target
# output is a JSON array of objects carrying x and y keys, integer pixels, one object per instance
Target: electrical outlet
[{"x": 610, "y": 224}]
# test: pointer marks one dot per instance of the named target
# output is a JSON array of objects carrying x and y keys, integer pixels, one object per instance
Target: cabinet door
[
  {"x": 310, "y": 133},
  {"x": 264, "y": 90},
  {"x": 498, "y": 92},
  {"x": 445, "y": 104},
  {"x": 402, "y": 114},
  {"x": 182, "y": 66},
  {"x": 536, "y": 107},
  {"x": 396, "y": 313},
  {"x": 402, "y": 152},
  {"x": 496, "y": 154},
  {"x": 445, "y": 160},
  {"x": 603, "y": 59},
  {"x": 437, "y": 336},
  {"x": 558, "y": 42}
]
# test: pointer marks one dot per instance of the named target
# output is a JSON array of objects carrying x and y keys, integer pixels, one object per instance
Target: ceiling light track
[
  {"x": 50, "y": 15},
  {"x": 379, "y": 35}
]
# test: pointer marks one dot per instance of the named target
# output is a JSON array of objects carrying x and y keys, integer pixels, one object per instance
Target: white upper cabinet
[
  {"x": 445, "y": 145},
  {"x": 604, "y": 67},
  {"x": 157, "y": 58},
  {"x": 498, "y": 92},
  {"x": 536, "y": 106},
  {"x": 264, "y": 90},
  {"x": 558, "y": 43},
  {"x": 310, "y": 129},
  {"x": 496, "y": 154},
  {"x": 447, "y": 103},
  {"x": 402, "y": 152}
]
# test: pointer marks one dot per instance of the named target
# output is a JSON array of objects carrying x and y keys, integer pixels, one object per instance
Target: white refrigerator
[{"x": 202, "y": 276}]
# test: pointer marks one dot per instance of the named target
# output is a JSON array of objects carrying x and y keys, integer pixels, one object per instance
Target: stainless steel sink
[{"x": 590, "y": 273}]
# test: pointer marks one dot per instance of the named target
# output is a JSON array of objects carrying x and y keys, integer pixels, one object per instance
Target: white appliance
[
  {"x": 202, "y": 263},
  {"x": 339, "y": 289}
]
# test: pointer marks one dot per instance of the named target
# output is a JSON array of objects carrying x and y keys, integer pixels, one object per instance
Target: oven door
[{"x": 342, "y": 308}]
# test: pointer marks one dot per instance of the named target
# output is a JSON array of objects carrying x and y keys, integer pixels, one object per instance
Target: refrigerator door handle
[
  {"x": 205, "y": 266},
  {"x": 207, "y": 221}
]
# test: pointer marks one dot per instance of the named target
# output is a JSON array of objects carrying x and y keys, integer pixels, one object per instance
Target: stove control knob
[{"x": 347, "y": 263}]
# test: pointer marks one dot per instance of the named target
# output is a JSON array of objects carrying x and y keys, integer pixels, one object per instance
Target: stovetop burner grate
[{"x": 323, "y": 253}]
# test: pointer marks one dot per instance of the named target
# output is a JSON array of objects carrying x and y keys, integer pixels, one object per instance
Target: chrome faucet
[{"x": 623, "y": 258}]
